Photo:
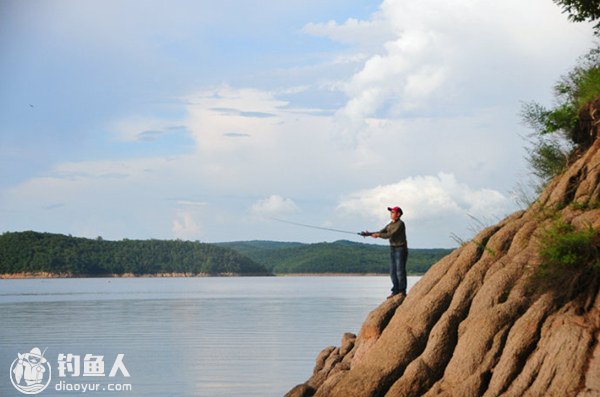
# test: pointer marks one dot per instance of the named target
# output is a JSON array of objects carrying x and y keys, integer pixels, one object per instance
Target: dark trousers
[{"x": 398, "y": 269}]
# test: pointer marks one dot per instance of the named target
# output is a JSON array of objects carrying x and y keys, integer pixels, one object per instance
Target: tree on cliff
[
  {"x": 582, "y": 10},
  {"x": 558, "y": 140}
]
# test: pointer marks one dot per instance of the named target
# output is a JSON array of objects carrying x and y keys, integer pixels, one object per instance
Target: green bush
[
  {"x": 556, "y": 133},
  {"x": 570, "y": 260},
  {"x": 548, "y": 158},
  {"x": 572, "y": 92}
]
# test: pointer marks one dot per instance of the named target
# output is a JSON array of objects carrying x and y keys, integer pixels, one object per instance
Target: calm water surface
[{"x": 208, "y": 337}]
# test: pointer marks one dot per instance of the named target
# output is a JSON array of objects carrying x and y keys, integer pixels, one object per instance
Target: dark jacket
[{"x": 395, "y": 232}]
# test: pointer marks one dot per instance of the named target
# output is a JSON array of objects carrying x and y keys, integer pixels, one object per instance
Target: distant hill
[
  {"x": 33, "y": 252},
  {"x": 56, "y": 254},
  {"x": 338, "y": 257},
  {"x": 257, "y": 247}
]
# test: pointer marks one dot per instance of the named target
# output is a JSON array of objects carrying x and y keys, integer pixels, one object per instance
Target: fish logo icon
[{"x": 30, "y": 373}]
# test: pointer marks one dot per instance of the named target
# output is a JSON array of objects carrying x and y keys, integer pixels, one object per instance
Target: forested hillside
[
  {"x": 33, "y": 252},
  {"x": 337, "y": 257}
]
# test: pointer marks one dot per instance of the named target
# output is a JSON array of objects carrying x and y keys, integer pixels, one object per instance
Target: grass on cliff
[{"x": 570, "y": 260}]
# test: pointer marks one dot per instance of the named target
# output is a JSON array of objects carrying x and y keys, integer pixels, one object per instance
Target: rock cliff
[{"x": 472, "y": 326}]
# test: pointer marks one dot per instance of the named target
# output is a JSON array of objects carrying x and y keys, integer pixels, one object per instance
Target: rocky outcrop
[
  {"x": 334, "y": 361},
  {"x": 472, "y": 326}
]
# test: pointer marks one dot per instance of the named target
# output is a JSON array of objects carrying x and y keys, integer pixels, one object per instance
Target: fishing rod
[{"x": 364, "y": 234}]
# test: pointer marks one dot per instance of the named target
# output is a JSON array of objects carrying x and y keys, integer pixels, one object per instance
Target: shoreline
[
  {"x": 44, "y": 275},
  {"x": 40, "y": 275},
  {"x": 342, "y": 274}
]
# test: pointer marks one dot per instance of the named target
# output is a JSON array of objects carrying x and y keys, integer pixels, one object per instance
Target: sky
[{"x": 207, "y": 121}]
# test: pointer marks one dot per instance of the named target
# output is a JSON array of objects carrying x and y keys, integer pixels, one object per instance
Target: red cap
[{"x": 395, "y": 209}]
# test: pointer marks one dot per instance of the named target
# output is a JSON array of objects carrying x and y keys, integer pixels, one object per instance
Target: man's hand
[{"x": 374, "y": 235}]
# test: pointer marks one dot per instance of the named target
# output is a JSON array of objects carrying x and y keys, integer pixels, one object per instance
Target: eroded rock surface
[{"x": 471, "y": 327}]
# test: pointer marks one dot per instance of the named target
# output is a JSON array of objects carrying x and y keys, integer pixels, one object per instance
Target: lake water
[{"x": 207, "y": 337}]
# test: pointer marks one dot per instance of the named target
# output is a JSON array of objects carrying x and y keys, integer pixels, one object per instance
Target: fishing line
[{"x": 312, "y": 226}]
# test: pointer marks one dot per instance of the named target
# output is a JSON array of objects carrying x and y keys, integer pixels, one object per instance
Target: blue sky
[{"x": 200, "y": 120}]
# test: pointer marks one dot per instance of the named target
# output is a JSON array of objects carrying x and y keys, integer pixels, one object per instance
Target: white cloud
[
  {"x": 435, "y": 208},
  {"x": 437, "y": 56},
  {"x": 426, "y": 197},
  {"x": 363, "y": 33},
  {"x": 250, "y": 140},
  {"x": 249, "y": 143},
  {"x": 185, "y": 226},
  {"x": 419, "y": 87},
  {"x": 274, "y": 205},
  {"x": 217, "y": 115}
]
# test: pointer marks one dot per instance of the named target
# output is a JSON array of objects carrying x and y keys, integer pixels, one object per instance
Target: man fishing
[{"x": 395, "y": 232}]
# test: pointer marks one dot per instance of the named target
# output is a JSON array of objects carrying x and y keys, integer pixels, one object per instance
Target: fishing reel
[{"x": 365, "y": 233}]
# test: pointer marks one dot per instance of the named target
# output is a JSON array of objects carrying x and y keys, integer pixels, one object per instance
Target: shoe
[{"x": 392, "y": 295}]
